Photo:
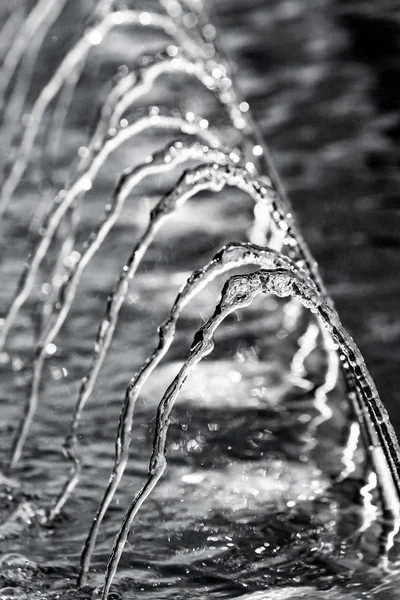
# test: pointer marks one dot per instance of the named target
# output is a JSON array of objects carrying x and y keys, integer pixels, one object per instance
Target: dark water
[{"x": 246, "y": 508}]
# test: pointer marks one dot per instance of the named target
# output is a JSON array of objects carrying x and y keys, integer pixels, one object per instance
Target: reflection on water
[{"x": 247, "y": 508}]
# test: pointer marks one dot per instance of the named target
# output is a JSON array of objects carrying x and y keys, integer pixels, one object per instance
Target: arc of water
[
  {"x": 104, "y": 125},
  {"x": 214, "y": 75},
  {"x": 254, "y": 146},
  {"x": 137, "y": 84},
  {"x": 66, "y": 238},
  {"x": 141, "y": 72},
  {"x": 79, "y": 52},
  {"x": 101, "y": 10},
  {"x": 226, "y": 94},
  {"x": 238, "y": 293},
  {"x": 254, "y": 149},
  {"x": 134, "y": 85},
  {"x": 155, "y": 117},
  {"x": 37, "y": 19},
  {"x": 211, "y": 74},
  {"x": 230, "y": 257},
  {"x": 67, "y": 231},
  {"x": 213, "y": 178},
  {"x": 127, "y": 91},
  {"x": 141, "y": 78},
  {"x": 152, "y": 119},
  {"x": 207, "y": 177},
  {"x": 11, "y": 113},
  {"x": 11, "y": 27},
  {"x": 53, "y": 139},
  {"x": 161, "y": 162},
  {"x": 200, "y": 23},
  {"x": 123, "y": 95}
]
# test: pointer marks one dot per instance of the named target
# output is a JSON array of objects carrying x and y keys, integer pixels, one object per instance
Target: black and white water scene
[{"x": 199, "y": 299}]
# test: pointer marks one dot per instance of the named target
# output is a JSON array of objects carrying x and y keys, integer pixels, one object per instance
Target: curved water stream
[{"x": 266, "y": 494}]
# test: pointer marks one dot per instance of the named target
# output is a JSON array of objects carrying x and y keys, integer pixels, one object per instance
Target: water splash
[
  {"x": 287, "y": 267},
  {"x": 238, "y": 293},
  {"x": 228, "y": 258},
  {"x": 123, "y": 95}
]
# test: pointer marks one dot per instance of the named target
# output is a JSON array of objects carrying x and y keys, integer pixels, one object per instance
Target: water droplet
[
  {"x": 172, "y": 50},
  {"x": 4, "y": 358},
  {"x": 217, "y": 73},
  {"x": 239, "y": 123},
  {"x": 86, "y": 184},
  {"x": 51, "y": 349},
  {"x": 209, "y": 31},
  {"x": 234, "y": 156},
  {"x": 95, "y": 38},
  {"x": 208, "y": 50},
  {"x": 83, "y": 152},
  {"x": 190, "y": 20},
  {"x": 118, "y": 18},
  {"x": 145, "y": 18},
  {"x": 190, "y": 68},
  {"x": 208, "y": 82},
  {"x": 17, "y": 364},
  {"x": 56, "y": 373},
  {"x": 27, "y": 120}
]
